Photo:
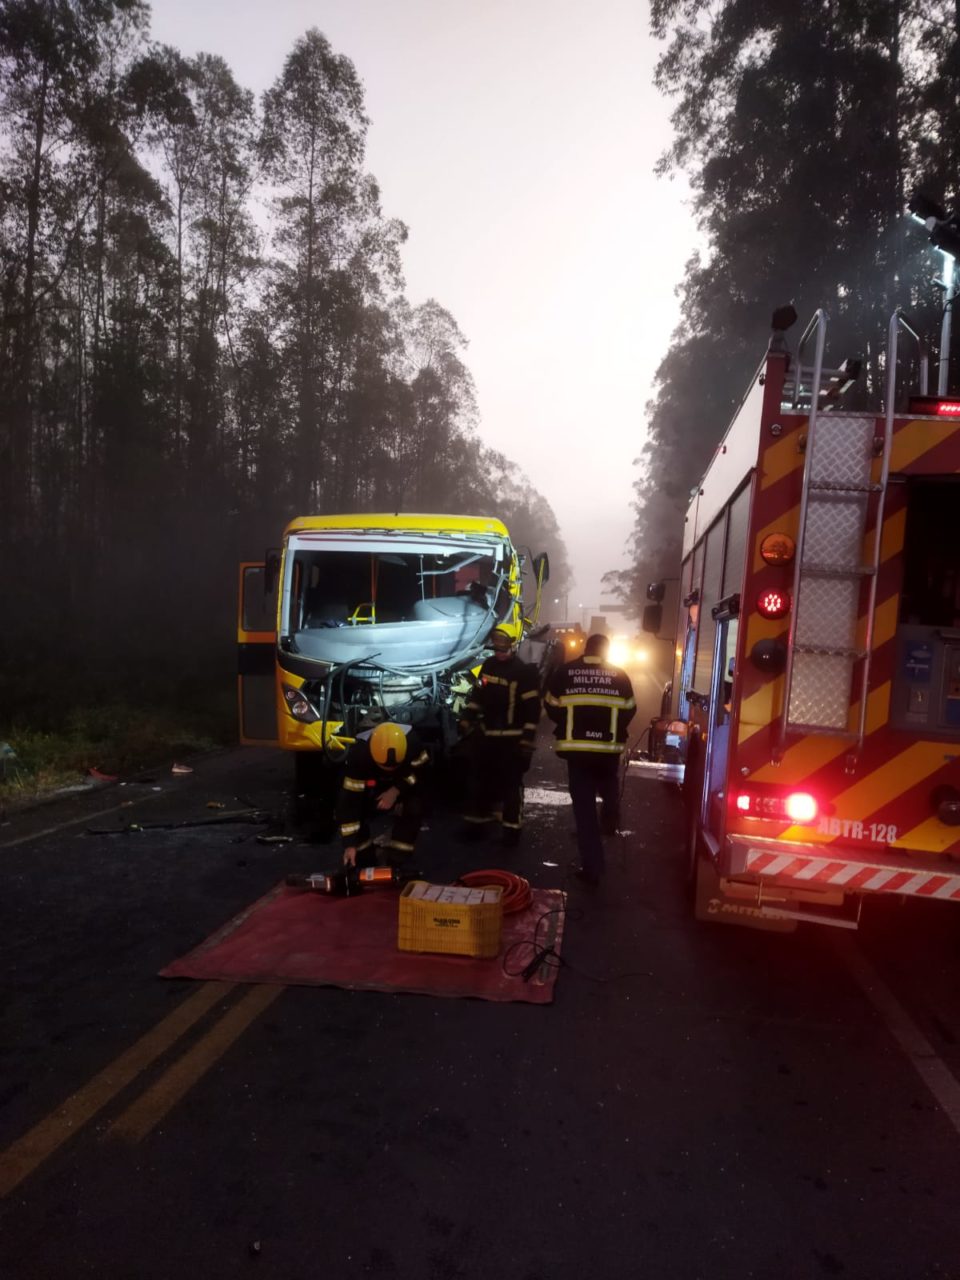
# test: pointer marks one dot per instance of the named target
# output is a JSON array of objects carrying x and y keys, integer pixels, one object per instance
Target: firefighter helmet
[
  {"x": 388, "y": 745},
  {"x": 501, "y": 639}
]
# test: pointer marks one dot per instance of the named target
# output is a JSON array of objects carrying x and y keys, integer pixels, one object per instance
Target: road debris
[{"x": 258, "y": 816}]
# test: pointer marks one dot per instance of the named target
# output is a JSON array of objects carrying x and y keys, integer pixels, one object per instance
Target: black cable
[
  {"x": 542, "y": 955},
  {"x": 549, "y": 957}
]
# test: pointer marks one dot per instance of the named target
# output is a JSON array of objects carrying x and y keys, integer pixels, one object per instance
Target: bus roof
[{"x": 405, "y": 522}]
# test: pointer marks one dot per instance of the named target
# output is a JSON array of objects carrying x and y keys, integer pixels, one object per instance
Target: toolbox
[{"x": 450, "y": 919}]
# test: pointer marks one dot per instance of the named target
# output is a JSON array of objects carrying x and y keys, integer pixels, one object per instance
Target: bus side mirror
[
  {"x": 652, "y": 618},
  {"x": 541, "y": 568},
  {"x": 655, "y": 591}
]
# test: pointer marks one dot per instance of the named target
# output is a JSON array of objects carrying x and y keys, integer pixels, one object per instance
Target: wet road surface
[{"x": 698, "y": 1101}]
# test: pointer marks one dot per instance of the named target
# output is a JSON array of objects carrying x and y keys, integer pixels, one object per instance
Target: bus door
[
  {"x": 726, "y": 614},
  {"x": 257, "y": 652}
]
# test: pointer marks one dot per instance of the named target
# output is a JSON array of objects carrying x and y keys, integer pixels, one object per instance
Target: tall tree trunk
[{"x": 18, "y": 473}]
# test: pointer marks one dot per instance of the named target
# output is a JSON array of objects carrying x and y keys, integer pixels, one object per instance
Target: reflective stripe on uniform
[
  {"x": 503, "y": 733},
  {"x": 348, "y": 828},
  {"x": 410, "y": 780},
  {"x": 593, "y": 700},
  {"x": 354, "y": 784},
  {"x": 531, "y": 693},
  {"x": 422, "y": 758},
  {"x": 400, "y": 846},
  {"x": 578, "y": 744}
]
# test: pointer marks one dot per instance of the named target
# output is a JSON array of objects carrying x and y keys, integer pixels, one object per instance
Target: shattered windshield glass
[{"x": 393, "y": 608}]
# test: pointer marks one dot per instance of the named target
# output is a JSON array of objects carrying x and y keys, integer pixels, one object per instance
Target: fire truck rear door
[
  {"x": 721, "y": 698},
  {"x": 256, "y": 654}
]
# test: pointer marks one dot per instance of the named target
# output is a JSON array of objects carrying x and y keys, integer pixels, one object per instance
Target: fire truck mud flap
[{"x": 718, "y": 900}]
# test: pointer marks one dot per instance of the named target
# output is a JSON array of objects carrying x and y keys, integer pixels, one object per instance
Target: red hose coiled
[{"x": 517, "y": 894}]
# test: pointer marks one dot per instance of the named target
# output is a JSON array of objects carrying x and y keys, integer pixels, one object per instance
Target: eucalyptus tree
[
  {"x": 445, "y": 404},
  {"x": 793, "y": 126},
  {"x": 49, "y": 49},
  {"x": 312, "y": 147}
]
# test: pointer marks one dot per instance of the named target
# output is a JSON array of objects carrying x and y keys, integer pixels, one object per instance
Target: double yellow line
[{"x": 22, "y": 1157}]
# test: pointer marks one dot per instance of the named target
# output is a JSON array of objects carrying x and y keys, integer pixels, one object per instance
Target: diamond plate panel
[
  {"x": 820, "y": 691},
  {"x": 834, "y": 532},
  {"x": 827, "y": 611},
  {"x": 842, "y": 450}
]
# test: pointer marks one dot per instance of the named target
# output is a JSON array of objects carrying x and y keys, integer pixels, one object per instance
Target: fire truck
[
  {"x": 363, "y": 618},
  {"x": 815, "y": 720}
]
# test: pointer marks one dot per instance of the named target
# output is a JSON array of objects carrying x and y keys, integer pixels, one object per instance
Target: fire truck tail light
[
  {"x": 930, "y": 406},
  {"x": 773, "y": 604},
  {"x": 778, "y": 548},
  {"x": 798, "y": 807}
]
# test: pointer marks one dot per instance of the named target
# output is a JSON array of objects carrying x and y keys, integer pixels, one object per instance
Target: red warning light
[
  {"x": 800, "y": 806},
  {"x": 931, "y": 407},
  {"x": 773, "y": 604}
]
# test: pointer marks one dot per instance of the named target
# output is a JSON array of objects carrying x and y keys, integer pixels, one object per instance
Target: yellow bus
[{"x": 364, "y": 618}]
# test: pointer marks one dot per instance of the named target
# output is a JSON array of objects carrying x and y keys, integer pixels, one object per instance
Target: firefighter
[
  {"x": 591, "y": 703},
  {"x": 501, "y": 720},
  {"x": 384, "y": 771}
]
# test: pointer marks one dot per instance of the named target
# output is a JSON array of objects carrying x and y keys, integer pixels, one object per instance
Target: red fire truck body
[{"x": 818, "y": 653}]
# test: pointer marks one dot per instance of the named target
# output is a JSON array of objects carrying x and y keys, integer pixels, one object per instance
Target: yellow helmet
[{"x": 388, "y": 745}]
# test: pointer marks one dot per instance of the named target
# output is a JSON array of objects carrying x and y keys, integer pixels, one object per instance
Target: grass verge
[{"x": 115, "y": 740}]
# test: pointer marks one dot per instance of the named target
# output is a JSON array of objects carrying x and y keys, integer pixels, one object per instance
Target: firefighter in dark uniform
[
  {"x": 501, "y": 720},
  {"x": 384, "y": 771},
  {"x": 591, "y": 703}
]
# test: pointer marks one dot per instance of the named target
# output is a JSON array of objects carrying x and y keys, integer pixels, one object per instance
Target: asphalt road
[{"x": 698, "y": 1101}]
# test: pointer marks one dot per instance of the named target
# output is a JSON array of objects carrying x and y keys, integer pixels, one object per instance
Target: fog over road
[{"x": 698, "y": 1101}]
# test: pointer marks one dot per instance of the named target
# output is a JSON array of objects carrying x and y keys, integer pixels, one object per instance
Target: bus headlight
[{"x": 299, "y": 705}]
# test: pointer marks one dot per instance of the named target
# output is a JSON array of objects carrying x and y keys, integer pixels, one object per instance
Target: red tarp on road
[{"x": 300, "y": 938}]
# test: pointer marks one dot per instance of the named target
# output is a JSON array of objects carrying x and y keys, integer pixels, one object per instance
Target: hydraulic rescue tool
[{"x": 347, "y": 882}]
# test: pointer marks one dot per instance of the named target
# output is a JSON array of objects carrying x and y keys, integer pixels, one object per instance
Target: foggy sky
[{"x": 516, "y": 139}]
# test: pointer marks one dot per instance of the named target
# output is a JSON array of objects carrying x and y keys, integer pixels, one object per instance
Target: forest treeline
[
  {"x": 203, "y": 333},
  {"x": 802, "y": 129}
]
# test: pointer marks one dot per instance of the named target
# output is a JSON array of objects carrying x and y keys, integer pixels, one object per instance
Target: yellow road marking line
[
  {"x": 150, "y": 1108},
  {"x": 23, "y": 1156}
]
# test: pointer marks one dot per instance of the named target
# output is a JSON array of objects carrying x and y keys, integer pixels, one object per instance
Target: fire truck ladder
[{"x": 838, "y": 486}]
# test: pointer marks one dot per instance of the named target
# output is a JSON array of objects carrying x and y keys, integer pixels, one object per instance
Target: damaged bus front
[{"x": 368, "y": 618}]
